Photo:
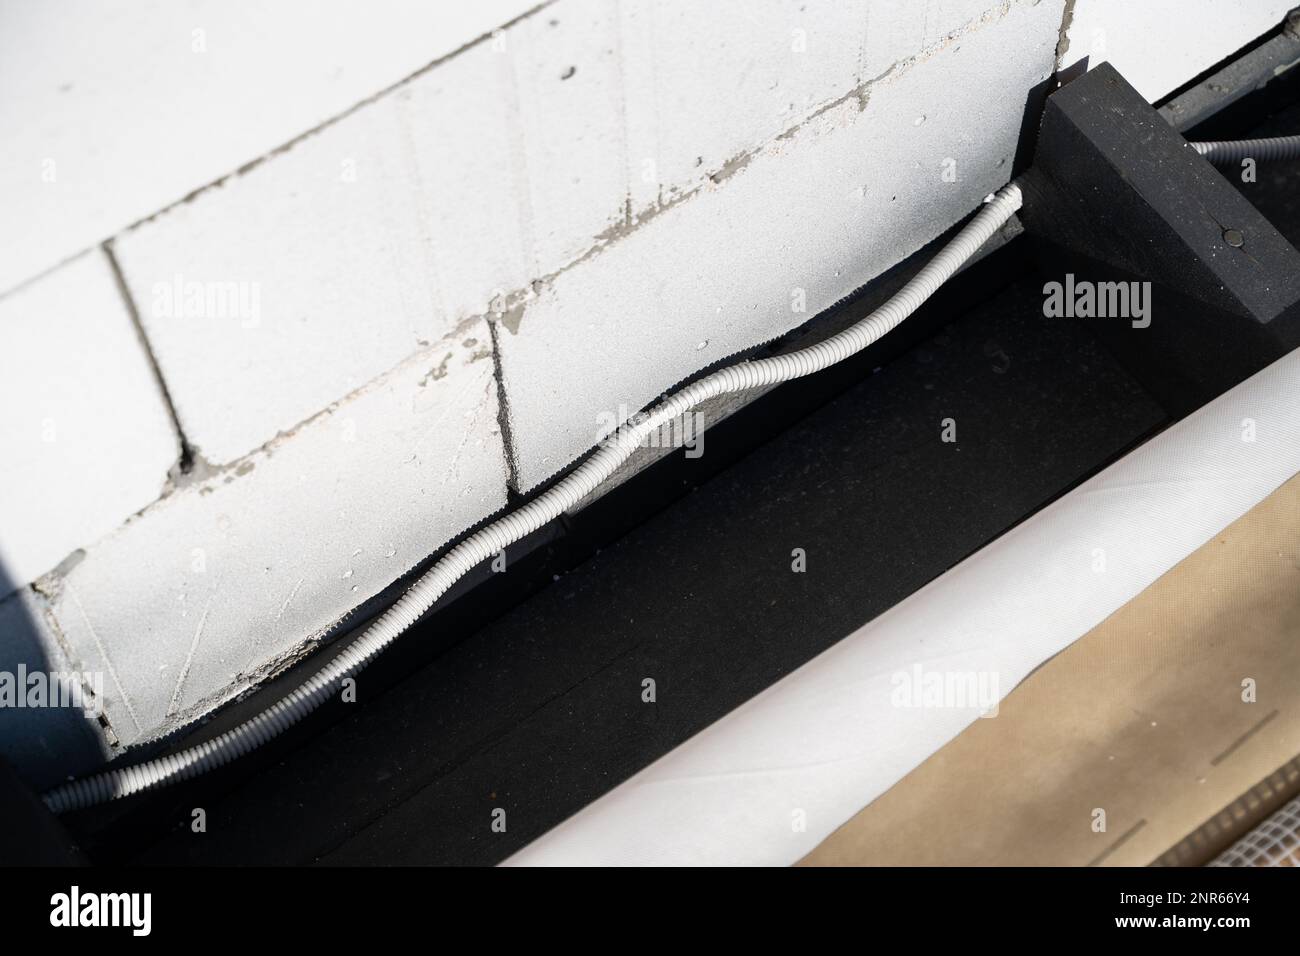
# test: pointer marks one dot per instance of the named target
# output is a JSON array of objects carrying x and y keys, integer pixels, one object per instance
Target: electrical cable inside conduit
[{"x": 612, "y": 452}]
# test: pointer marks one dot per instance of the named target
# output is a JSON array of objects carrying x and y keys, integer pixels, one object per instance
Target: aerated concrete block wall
[{"x": 291, "y": 294}]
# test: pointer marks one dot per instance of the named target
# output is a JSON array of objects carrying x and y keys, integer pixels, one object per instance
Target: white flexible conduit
[
  {"x": 483, "y": 544},
  {"x": 612, "y": 452},
  {"x": 1260, "y": 150}
]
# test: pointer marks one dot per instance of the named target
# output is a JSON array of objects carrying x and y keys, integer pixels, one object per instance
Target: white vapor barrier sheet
[{"x": 768, "y": 782}]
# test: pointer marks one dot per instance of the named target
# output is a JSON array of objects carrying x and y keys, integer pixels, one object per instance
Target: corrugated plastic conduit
[
  {"x": 612, "y": 452},
  {"x": 1260, "y": 150}
]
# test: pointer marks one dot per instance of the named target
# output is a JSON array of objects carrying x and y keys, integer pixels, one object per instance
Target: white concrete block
[
  {"x": 1158, "y": 45},
  {"x": 457, "y": 192},
  {"x": 566, "y": 120},
  {"x": 209, "y": 589},
  {"x": 113, "y": 111},
  {"x": 897, "y": 31},
  {"x": 272, "y": 296},
  {"x": 809, "y": 218},
  {"x": 374, "y": 237},
  {"x": 45, "y": 735},
  {"x": 86, "y": 435},
  {"x": 724, "y": 78},
  {"x": 717, "y": 80}
]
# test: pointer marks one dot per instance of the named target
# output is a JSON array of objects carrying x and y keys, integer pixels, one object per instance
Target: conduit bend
[
  {"x": 193, "y": 761},
  {"x": 485, "y": 543},
  {"x": 612, "y": 452}
]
